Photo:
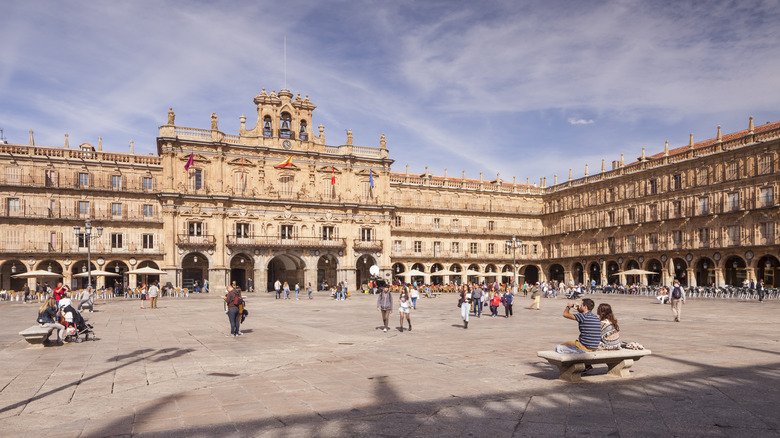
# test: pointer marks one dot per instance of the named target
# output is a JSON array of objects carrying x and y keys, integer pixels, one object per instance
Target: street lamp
[
  {"x": 87, "y": 236},
  {"x": 514, "y": 243}
]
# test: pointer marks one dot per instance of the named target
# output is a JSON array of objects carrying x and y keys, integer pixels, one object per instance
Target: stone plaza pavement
[{"x": 322, "y": 368}]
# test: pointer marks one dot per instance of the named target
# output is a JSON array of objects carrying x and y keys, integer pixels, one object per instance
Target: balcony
[
  {"x": 283, "y": 242},
  {"x": 71, "y": 246},
  {"x": 33, "y": 212},
  {"x": 367, "y": 245},
  {"x": 203, "y": 241}
]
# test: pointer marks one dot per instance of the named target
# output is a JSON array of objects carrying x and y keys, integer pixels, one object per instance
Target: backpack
[{"x": 676, "y": 293}]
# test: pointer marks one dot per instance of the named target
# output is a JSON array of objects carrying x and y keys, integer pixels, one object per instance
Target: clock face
[{"x": 287, "y": 144}]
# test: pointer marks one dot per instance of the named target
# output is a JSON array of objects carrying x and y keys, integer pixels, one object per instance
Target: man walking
[
  {"x": 477, "y": 298},
  {"x": 278, "y": 289},
  {"x": 384, "y": 304},
  {"x": 760, "y": 288},
  {"x": 154, "y": 291},
  {"x": 677, "y": 299}
]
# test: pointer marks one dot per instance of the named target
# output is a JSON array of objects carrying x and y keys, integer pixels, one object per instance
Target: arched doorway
[
  {"x": 735, "y": 271},
  {"x": 473, "y": 275},
  {"x": 194, "y": 269},
  {"x": 490, "y": 273},
  {"x": 362, "y": 267},
  {"x": 117, "y": 283},
  {"x": 436, "y": 279},
  {"x": 705, "y": 272},
  {"x": 285, "y": 268},
  {"x": 655, "y": 266},
  {"x": 680, "y": 268},
  {"x": 149, "y": 278},
  {"x": 556, "y": 273},
  {"x": 507, "y": 276},
  {"x": 612, "y": 270},
  {"x": 579, "y": 275},
  {"x": 768, "y": 271},
  {"x": 632, "y": 279},
  {"x": 457, "y": 278},
  {"x": 531, "y": 273},
  {"x": 80, "y": 267},
  {"x": 326, "y": 271},
  {"x": 241, "y": 268},
  {"x": 50, "y": 266},
  {"x": 398, "y": 270},
  {"x": 594, "y": 273},
  {"x": 419, "y": 279},
  {"x": 8, "y": 270}
]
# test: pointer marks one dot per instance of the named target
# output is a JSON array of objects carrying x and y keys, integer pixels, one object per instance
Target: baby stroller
[{"x": 76, "y": 326}]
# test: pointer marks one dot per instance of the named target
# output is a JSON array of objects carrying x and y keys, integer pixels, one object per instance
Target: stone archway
[
  {"x": 612, "y": 272},
  {"x": 680, "y": 269},
  {"x": 578, "y": 273},
  {"x": 8, "y": 270},
  {"x": 241, "y": 267},
  {"x": 655, "y": 266},
  {"x": 194, "y": 271},
  {"x": 362, "y": 270},
  {"x": 594, "y": 274},
  {"x": 556, "y": 273},
  {"x": 436, "y": 279},
  {"x": 768, "y": 269},
  {"x": 531, "y": 273},
  {"x": 285, "y": 268},
  {"x": 735, "y": 271},
  {"x": 327, "y": 266},
  {"x": 705, "y": 272}
]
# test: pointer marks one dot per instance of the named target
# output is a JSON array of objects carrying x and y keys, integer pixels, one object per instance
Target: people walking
[
  {"x": 465, "y": 306},
  {"x": 536, "y": 294},
  {"x": 477, "y": 296},
  {"x": 234, "y": 300},
  {"x": 677, "y": 299},
  {"x": 278, "y": 289},
  {"x": 297, "y": 290},
  {"x": 384, "y": 304},
  {"x": 761, "y": 290},
  {"x": 414, "y": 294},
  {"x": 405, "y": 309},
  {"x": 308, "y": 289},
  {"x": 143, "y": 295},
  {"x": 154, "y": 291},
  {"x": 286, "y": 289},
  {"x": 507, "y": 301}
]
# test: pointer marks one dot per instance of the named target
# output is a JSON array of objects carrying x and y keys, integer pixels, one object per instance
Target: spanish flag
[
  {"x": 285, "y": 163},
  {"x": 333, "y": 176}
]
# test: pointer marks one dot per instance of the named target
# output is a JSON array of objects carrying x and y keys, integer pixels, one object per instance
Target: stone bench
[
  {"x": 36, "y": 335},
  {"x": 572, "y": 365}
]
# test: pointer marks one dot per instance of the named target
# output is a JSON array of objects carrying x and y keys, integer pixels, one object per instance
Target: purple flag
[{"x": 189, "y": 162}]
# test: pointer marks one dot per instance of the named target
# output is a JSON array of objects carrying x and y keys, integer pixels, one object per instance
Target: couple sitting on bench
[{"x": 598, "y": 331}]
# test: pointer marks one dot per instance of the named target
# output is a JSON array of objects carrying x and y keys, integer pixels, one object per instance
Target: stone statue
[
  {"x": 382, "y": 141},
  {"x": 214, "y": 120},
  {"x": 349, "y": 136},
  {"x": 171, "y": 116}
]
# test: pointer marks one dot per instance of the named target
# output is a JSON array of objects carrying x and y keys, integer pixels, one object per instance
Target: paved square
[{"x": 322, "y": 368}]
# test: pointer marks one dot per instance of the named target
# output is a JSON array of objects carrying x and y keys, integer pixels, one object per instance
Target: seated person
[
  {"x": 47, "y": 317},
  {"x": 589, "y": 326},
  {"x": 610, "y": 332},
  {"x": 663, "y": 297}
]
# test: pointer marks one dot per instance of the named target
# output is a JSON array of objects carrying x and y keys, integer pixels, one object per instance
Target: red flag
[
  {"x": 333, "y": 176},
  {"x": 242, "y": 167},
  {"x": 285, "y": 163},
  {"x": 190, "y": 162}
]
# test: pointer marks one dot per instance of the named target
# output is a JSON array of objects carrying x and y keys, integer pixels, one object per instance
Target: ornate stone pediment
[
  {"x": 197, "y": 158},
  {"x": 328, "y": 218},
  {"x": 238, "y": 162},
  {"x": 365, "y": 219}
]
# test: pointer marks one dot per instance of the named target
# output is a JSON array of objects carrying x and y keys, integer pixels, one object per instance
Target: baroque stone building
[{"x": 276, "y": 202}]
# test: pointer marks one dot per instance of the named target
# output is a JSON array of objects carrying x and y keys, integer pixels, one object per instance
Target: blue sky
[{"x": 526, "y": 89}]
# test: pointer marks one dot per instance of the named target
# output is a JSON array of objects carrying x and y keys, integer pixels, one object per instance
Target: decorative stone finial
[
  {"x": 570, "y": 174},
  {"x": 622, "y": 162},
  {"x": 32, "y": 140},
  {"x": 383, "y": 141},
  {"x": 171, "y": 116},
  {"x": 666, "y": 148},
  {"x": 407, "y": 170},
  {"x": 750, "y": 126},
  {"x": 100, "y": 143},
  {"x": 445, "y": 173},
  {"x": 555, "y": 179},
  {"x": 214, "y": 121},
  {"x": 719, "y": 137},
  {"x": 586, "y": 169},
  {"x": 132, "y": 147},
  {"x": 603, "y": 166},
  {"x": 480, "y": 177},
  {"x": 67, "y": 143},
  {"x": 528, "y": 180},
  {"x": 349, "y": 136},
  {"x": 464, "y": 175},
  {"x": 690, "y": 141},
  {"x": 242, "y": 119},
  {"x": 643, "y": 157},
  {"x": 514, "y": 180}
]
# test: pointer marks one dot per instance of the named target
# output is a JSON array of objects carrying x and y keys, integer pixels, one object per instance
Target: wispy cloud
[{"x": 573, "y": 121}]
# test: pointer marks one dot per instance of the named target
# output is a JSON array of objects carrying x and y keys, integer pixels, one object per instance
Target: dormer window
[
  {"x": 303, "y": 135},
  {"x": 284, "y": 127},
  {"x": 267, "y": 126}
]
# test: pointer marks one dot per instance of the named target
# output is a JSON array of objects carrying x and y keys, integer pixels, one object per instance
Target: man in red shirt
[{"x": 59, "y": 292}]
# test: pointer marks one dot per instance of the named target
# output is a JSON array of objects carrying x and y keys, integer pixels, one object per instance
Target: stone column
[
  {"x": 691, "y": 274},
  {"x": 260, "y": 274},
  {"x": 309, "y": 276},
  {"x": 751, "y": 274},
  {"x": 665, "y": 277},
  {"x": 603, "y": 271}
]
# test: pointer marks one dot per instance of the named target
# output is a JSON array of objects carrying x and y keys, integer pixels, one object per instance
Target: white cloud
[{"x": 573, "y": 121}]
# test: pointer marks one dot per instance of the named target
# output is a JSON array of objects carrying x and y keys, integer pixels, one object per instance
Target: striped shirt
[{"x": 590, "y": 329}]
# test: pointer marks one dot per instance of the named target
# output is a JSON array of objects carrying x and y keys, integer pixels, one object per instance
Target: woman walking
[
  {"x": 308, "y": 289},
  {"x": 286, "y": 288},
  {"x": 233, "y": 300},
  {"x": 405, "y": 309},
  {"x": 465, "y": 307},
  {"x": 536, "y": 294}
]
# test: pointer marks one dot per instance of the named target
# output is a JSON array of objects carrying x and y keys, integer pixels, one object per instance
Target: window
[
  {"x": 50, "y": 178},
  {"x": 418, "y": 246},
  {"x": 455, "y": 225},
  {"x": 473, "y": 247},
  {"x": 507, "y": 249},
  {"x": 398, "y": 221},
  {"x": 398, "y": 246},
  {"x": 116, "y": 209},
  {"x": 611, "y": 216},
  {"x": 652, "y": 240},
  {"x": 148, "y": 241},
  {"x": 611, "y": 244},
  {"x": 767, "y": 232},
  {"x": 242, "y": 230},
  {"x": 677, "y": 181},
  {"x": 287, "y": 231},
  {"x": 676, "y": 208},
  {"x": 82, "y": 239},
  {"x": 83, "y": 179},
  {"x": 195, "y": 229},
  {"x": 366, "y": 234},
  {"x": 286, "y": 186},
  {"x": 366, "y": 190},
  {"x": 652, "y": 187},
  {"x": 704, "y": 237},
  {"x": 523, "y": 249},
  {"x": 677, "y": 238},
  {"x": 455, "y": 247},
  {"x": 436, "y": 223},
  {"x": 13, "y": 206},
  {"x": 631, "y": 243},
  {"x": 732, "y": 231},
  {"x": 196, "y": 179},
  {"x": 436, "y": 249},
  {"x": 653, "y": 212},
  {"x": 766, "y": 197},
  {"x": 116, "y": 240},
  {"x": 630, "y": 191},
  {"x": 732, "y": 170},
  {"x": 148, "y": 210},
  {"x": 631, "y": 214},
  {"x": 239, "y": 181},
  {"x": 12, "y": 175},
  {"x": 702, "y": 177},
  {"x": 328, "y": 189},
  {"x": 765, "y": 164},
  {"x": 147, "y": 183},
  {"x": 116, "y": 181},
  {"x": 491, "y": 226},
  {"x": 733, "y": 201},
  {"x": 536, "y": 249},
  {"x": 491, "y": 248},
  {"x": 328, "y": 233},
  {"x": 704, "y": 205},
  {"x": 83, "y": 207}
]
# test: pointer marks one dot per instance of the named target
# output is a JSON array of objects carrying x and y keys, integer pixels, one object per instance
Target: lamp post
[
  {"x": 87, "y": 236},
  {"x": 514, "y": 243}
]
